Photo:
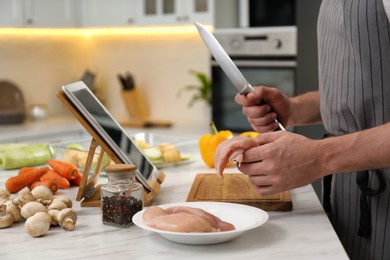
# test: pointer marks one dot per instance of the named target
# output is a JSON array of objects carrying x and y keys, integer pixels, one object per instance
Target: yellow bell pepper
[
  {"x": 208, "y": 143},
  {"x": 250, "y": 134}
]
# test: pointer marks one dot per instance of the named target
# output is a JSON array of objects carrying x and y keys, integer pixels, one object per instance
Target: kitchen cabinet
[
  {"x": 174, "y": 12},
  {"x": 38, "y": 13},
  {"x": 11, "y": 13},
  {"x": 49, "y": 13},
  {"x": 103, "y": 13},
  {"x": 95, "y": 13}
]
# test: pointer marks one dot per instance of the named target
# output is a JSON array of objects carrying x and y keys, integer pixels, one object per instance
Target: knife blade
[{"x": 229, "y": 68}]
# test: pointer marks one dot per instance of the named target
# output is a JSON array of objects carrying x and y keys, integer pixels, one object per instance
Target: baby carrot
[
  {"x": 52, "y": 186},
  {"x": 76, "y": 181},
  {"x": 27, "y": 170},
  {"x": 54, "y": 177},
  {"x": 23, "y": 170},
  {"x": 25, "y": 177},
  {"x": 65, "y": 169}
]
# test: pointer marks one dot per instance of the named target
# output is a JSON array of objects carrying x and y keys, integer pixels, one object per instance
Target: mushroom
[
  {"x": 24, "y": 196},
  {"x": 65, "y": 200},
  {"x": 14, "y": 210},
  {"x": 56, "y": 204},
  {"x": 6, "y": 220},
  {"x": 42, "y": 194},
  {"x": 67, "y": 219},
  {"x": 4, "y": 196},
  {"x": 54, "y": 216},
  {"x": 32, "y": 208},
  {"x": 38, "y": 224}
]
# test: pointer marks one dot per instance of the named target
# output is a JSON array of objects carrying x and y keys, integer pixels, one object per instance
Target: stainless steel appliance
[
  {"x": 266, "y": 13},
  {"x": 265, "y": 56}
]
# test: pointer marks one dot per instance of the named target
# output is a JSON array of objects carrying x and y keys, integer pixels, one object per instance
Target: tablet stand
[{"x": 89, "y": 189}]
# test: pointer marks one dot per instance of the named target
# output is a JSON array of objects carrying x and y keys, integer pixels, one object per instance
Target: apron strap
[
  {"x": 326, "y": 190},
  {"x": 362, "y": 181}
]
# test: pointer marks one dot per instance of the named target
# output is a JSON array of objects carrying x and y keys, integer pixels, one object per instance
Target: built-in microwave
[{"x": 266, "y": 13}]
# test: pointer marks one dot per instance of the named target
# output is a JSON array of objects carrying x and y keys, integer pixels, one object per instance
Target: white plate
[{"x": 241, "y": 216}]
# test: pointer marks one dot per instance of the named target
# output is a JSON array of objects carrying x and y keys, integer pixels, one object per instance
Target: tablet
[{"x": 110, "y": 130}]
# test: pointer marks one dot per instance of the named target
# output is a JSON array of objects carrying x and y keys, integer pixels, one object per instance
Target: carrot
[
  {"x": 54, "y": 177},
  {"x": 25, "y": 177},
  {"x": 52, "y": 186},
  {"x": 23, "y": 170},
  {"x": 66, "y": 170},
  {"x": 76, "y": 181}
]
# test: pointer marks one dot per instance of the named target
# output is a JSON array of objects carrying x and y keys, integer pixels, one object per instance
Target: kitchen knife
[{"x": 226, "y": 63}]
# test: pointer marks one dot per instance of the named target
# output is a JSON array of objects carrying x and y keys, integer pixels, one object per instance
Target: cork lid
[{"x": 120, "y": 168}]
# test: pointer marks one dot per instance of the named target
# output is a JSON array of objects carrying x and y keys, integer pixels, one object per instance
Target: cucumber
[
  {"x": 4, "y": 147},
  {"x": 23, "y": 156}
]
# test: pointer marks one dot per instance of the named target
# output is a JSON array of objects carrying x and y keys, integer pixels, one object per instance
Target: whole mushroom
[
  {"x": 24, "y": 197},
  {"x": 38, "y": 224},
  {"x": 4, "y": 196},
  {"x": 67, "y": 219},
  {"x": 42, "y": 194},
  {"x": 32, "y": 208},
  {"x": 54, "y": 216},
  {"x": 65, "y": 200},
  {"x": 14, "y": 210},
  {"x": 6, "y": 220},
  {"x": 56, "y": 204}
]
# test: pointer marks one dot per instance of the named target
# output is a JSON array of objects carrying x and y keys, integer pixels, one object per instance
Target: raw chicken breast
[
  {"x": 184, "y": 219},
  {"x": 151, "y": 213},
  {"x": 231, "y": 149},
  {"x": 216, "y": 222},
  {"x": 182, "y": 222}
]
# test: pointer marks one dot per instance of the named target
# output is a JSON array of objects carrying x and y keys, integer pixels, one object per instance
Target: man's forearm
[
  {"x": 363, "y": 150},
  {"x": 306, "y": 109}
]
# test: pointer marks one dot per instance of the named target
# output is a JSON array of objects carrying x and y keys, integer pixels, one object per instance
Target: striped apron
[{"x": 354, "y": 84}]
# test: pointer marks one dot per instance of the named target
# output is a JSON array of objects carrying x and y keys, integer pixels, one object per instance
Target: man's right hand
[{"x": 262, "y": 115}]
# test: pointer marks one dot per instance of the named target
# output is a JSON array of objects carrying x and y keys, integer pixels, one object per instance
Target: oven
[{"x": 265, "y": 56}]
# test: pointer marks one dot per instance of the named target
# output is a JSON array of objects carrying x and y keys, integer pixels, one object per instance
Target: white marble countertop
[{"x": 303, "y": 233}]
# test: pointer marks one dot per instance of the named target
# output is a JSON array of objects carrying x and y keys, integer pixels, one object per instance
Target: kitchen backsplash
[{"x": 40, "y": 61}]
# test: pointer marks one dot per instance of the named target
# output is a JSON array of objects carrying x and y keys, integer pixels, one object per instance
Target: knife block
[
  {"x": 137, "y": 109},
  {"x": 135, "y": 104}
]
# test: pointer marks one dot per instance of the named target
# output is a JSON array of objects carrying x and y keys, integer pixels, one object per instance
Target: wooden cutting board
[{"x": 236, "y": 188}]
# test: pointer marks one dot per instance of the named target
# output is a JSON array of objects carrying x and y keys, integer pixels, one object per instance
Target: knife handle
[
  {"x": 280, "y": 126},
  {"x": 249, "y": 88}
]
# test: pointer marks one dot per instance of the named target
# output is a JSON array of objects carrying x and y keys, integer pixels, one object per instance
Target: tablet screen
[{"x": 114, "y": 131}]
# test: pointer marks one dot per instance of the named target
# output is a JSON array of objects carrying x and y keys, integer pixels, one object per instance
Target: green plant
[{"x": 202, "y": 91}]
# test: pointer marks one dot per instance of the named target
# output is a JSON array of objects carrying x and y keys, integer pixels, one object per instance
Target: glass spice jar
[{"x": 122, "y": 197}]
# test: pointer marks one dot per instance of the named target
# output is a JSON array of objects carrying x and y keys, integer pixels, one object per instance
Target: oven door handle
[{"x": 263, "y": 63}]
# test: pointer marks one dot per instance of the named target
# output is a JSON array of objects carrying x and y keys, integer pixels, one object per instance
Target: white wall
[{"x": 40, "y": 63}]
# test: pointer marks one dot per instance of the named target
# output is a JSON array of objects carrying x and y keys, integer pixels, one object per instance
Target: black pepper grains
[
  {"x": 119, "y": 210},
  {"x": 121, "y": 198}
]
